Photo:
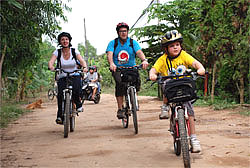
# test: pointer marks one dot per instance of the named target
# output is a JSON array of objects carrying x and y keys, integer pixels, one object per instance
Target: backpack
[
  {"x": 58, "y": 65},
  {"x": 131, "y": 44}
]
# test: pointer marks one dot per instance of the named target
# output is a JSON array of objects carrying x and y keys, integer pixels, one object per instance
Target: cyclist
[
  {"x": 122, "y": 52},
  {"x": 99, "y": 79},
  {"x": 68, "y": 64},
  {"x": 176, "y": 61},
  {"x": 93, "y": 77}
]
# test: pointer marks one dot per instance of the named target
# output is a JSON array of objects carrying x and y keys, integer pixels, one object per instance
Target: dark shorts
[{"x": 120, "y": 89}]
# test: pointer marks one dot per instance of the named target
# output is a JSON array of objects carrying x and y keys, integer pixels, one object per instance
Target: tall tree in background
[{"x": 22, "y": 25}]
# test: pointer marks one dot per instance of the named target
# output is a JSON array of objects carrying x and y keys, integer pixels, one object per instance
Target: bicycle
[
  {"x": 180, "y": 89},
  {"x": 131, "y": 105},
  {"x": 68, "y": 111},
  {"x": 52, "y": 92}
]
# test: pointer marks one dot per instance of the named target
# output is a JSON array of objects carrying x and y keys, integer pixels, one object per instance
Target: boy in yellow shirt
[{"x": 176, "y": 61}]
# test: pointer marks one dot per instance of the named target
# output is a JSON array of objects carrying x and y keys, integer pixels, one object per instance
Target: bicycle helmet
[
  {"x": 120, "y": 25},
  {"x": 170, "y": 37},
  {"x": 64, "y": 34},
  {"x": 91, "y": 67}
]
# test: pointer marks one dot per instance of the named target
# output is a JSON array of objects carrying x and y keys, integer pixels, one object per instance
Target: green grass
[{"x": 10, "y": 112}]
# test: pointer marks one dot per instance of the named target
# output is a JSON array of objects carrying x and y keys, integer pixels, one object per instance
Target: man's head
[
  {"x": 64, "y": 40},
  {"x": 122, "y": 30},
  {"x": 171, "y": 42}
]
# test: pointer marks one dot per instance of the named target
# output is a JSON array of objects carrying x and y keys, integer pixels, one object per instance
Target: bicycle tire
[
  {"x": 134, "y": 111},
  {"x": 72, "y": 118},
  {"x": 51, "y": 94},
  {"x": 177, "y": 143},
  {"x": 66, "y": 115},
  {"x": 183, "y": 138}
]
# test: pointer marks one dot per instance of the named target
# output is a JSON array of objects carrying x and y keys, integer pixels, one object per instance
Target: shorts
[
  {"x": 120, "y": 89},
  {"x": 92, "y": 84}
]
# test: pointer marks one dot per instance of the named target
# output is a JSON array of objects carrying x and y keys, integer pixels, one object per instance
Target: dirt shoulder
[{"x": 100, "y": 140}]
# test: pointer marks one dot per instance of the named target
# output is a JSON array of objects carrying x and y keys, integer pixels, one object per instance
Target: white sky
[{"x": 101, "y": 18}]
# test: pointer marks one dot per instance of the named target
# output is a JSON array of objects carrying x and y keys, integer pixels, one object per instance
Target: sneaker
[
  {"x": 196, "y": 147},
  {"x": 164, "y": 112},
  {"x": 120, "y": 114},
  {"x": 59, "y": 120},
  {"x": 80, "y": 109}
]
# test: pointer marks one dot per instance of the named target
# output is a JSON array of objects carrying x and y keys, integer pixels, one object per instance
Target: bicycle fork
[
  {"x": 129, "y": 100},
  {"x": 175, "y": 121}
]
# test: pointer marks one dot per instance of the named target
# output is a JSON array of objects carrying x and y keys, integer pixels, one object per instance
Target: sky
[{"x": 101, "y": 18}]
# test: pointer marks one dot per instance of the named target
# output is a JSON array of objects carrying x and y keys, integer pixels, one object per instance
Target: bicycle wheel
[
  {"x": 66, "y": 115},
  {"x": 50, "y": 94},
  {"x": 177, "y": 143},
  {"x": 134, "y": 111},
  {"x": 183, "y": 138},
  {"x": 72, "y": 118}
]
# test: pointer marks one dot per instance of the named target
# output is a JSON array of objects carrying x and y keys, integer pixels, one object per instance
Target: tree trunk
[
  {"x": 213, "y": 82},
  {"x": 1, "y": 65},
  {"x": 241, "y": 89},
  {"x": 23, "y": 85}
]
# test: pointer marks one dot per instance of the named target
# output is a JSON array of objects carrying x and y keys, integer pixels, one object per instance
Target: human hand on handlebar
[{"x": 144, "y": 64}]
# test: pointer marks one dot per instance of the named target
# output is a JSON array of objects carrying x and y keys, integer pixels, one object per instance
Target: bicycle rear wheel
[
  {"x": 134, "y": 111},
  {"x": 50, "y": 94},
  {"x": 66, "y": 115},
  {"x": 183, "y": 138}
]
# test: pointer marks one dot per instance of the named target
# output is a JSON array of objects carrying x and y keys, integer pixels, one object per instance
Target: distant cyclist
[
  {"x": 176, "y": 61},
  {"x": 122, "y": 52},
  {"x": 93, "y": 77},
  {"x": 67, "y": 58}
]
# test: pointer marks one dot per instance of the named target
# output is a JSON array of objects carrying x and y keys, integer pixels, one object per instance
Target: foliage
[
  {"x": 213, "y": 31},
  {"x": 22, "y": 25}
]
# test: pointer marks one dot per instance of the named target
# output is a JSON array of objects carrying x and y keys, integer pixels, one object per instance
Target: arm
[
  {"x": 82, "y": 62},
  {"x": 141, "y": 55},
  {"x": 51, "y": 62},
  {"x": 112, "y": 65},
  {"x": 200, "y": 69},
  {"x": 153, "y": 74}
]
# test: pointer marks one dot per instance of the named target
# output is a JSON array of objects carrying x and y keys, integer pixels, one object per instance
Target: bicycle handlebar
[{"x": 133, "y": 67}]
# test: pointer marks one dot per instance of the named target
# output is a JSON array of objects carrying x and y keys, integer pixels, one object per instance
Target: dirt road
[{"x": 100, "y": 141}]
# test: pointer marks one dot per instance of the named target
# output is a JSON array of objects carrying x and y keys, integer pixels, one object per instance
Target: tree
[{"x": 22, "y": 25}]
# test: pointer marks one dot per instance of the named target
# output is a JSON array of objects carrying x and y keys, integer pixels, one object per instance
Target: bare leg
[
  {"x": 94, "y": 92},
  {"x": 119, "y": 100},
  {"x": 192, "y": 125}
]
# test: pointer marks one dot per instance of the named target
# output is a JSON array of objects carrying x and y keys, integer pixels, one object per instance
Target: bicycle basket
[
  {"x": 129, "y": 75},
  {"x": 180, "y": 90}
]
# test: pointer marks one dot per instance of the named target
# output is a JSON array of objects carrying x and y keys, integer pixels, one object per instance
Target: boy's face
[{"x": 174, "y": 48}]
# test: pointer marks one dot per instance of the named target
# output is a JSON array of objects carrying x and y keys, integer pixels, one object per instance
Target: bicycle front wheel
[
  {"x": 72, "y": 118},
  {"x": 66, "y": 115},
  {"x": 50, "y": 94},
  {"x": 134, "y": 109},
  {"x": 183, "y": 138}
]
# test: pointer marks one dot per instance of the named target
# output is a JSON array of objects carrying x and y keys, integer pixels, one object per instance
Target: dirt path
[{"x": 100, "y": 141}]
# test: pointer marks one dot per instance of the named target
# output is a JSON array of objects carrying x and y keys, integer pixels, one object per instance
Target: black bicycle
[
  {"x": 68, "y": 110},
  {"x": 129, "y": 76},
  {"x": 180, "y": 89}
]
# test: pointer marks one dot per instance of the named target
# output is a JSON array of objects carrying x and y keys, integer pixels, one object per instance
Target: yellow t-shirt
[{"x": 179, "y": 64}]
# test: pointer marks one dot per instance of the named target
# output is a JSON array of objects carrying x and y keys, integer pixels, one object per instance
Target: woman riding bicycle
[
  {"x": 122, "y": 53},
  {"x": 67, "y": 58},
  {"x": 176, "y": 61}
]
